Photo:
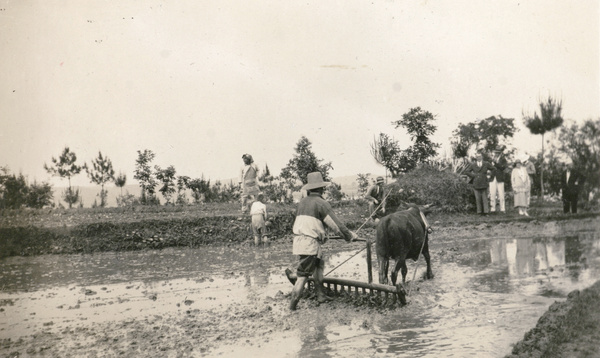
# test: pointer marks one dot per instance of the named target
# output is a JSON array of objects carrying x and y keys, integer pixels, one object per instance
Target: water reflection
[
  {"x": 258, "y": 272},
  {"x": 546, "y": 266},
  {"x": 525, "y": 257}
]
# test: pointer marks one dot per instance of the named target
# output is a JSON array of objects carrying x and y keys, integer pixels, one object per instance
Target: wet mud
[{"x": 492, "y": 284}]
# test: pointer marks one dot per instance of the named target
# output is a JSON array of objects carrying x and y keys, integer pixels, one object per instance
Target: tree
[
  {"x": 143, "y": 173},
  {"x": 200, "y": 189},
  {"x": 120, "y": 181},
  {"x": 363, "y": 183},
  {"x": 269, "y": 186},
  {"x": 304, "y": 162},
  {"x": 101, "y": 173},
  {"x": 386, "y": 151},
  {"x": 266, "y": 176},
  {"x": 167, "y": 178},
  {"x": 418, "y": 126},
  {"x": 39, "y": 195},
  {"x": 486, "y": 135},
  {"x": 15, "y": 192},
  {"x": 183, "y": 182},
  {"x": 13, "y": 189},
  {"x": 581, "y": 143},
  {"x": 334, "y": 192},
  {"x": 65, "y": 167},
  {"x": 549, "y": 119}
]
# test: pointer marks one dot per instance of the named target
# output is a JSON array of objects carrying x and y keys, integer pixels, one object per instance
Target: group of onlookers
[{"x": 488, "y": 178}]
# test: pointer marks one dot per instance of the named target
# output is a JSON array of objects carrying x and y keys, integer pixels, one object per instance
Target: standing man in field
[
  {"x": 312, "y": 216},
  {"x": 571, "y": 181},
  {"x": 248, "y": 181},
  {"x": 497, "y": 181},
  {"x": 478, "y": 171},
  {"x": 374, "y": 196}
]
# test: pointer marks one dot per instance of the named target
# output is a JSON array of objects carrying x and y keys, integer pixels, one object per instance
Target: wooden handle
[{"x": 340, "y": 238}]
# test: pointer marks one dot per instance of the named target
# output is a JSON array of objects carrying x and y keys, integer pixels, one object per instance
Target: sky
[{"x": 200, "y": 83}]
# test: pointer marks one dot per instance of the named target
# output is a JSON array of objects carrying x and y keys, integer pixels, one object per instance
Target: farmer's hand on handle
[{"x": 353, "y": 236}]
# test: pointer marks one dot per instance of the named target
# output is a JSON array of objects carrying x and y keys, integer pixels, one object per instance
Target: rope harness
[{"x": 357, "y": 230}]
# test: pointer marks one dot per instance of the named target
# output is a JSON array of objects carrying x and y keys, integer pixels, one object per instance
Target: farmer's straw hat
[
  {"x": 314, "y": 180},
  {"x": 380, "y": 179}
]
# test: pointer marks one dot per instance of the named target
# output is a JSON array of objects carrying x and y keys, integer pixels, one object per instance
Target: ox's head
[{"x": 425, "y": 209}]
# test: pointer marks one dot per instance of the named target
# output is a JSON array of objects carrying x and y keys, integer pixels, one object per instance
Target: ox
[{"x": 400, "y": 236}]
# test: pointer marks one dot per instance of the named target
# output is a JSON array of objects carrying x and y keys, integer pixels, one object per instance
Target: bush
[
  {"x": 428, "y": 185},
  {"x": 127, "y": 200}
]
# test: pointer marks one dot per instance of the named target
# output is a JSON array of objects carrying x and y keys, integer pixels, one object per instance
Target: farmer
[
  {"x": 312, "y": 215},
  {"x": 248, "y": 181},
  {"x": 374, "y": 196},
  {"x": 258, "y": 211}
]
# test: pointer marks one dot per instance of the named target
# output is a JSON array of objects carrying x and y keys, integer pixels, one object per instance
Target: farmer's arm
[{"x": 332, "y": 222}]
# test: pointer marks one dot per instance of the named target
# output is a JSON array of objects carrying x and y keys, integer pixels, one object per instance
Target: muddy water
[{"x": 483, "y": 298}]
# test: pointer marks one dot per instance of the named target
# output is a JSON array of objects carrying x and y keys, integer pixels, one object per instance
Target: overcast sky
[{"x": 202, "y": 82}]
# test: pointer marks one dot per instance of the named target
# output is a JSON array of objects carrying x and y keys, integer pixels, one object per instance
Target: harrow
[{"x": 345, "y": 287}]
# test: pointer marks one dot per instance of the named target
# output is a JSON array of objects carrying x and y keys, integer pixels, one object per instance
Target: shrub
[
  {"x": 127, "y": 200},
  {"x": 445, "y": 189}
]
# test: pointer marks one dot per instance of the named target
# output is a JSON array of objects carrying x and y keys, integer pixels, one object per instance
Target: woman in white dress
[{"x": 521, "y": 186}]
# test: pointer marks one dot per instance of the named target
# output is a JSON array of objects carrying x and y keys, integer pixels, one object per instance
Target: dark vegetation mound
[{"x": 447, "y": 190}]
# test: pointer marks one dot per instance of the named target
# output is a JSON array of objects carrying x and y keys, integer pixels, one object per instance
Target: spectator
[
  {"x": 521, "y": 187},
  {"x": 530, "y": 167},
  {"x": 477, "y": 171},
  {"x": 571, "y": 182},
  {"x": 258, "y": 211},
  {"x": 497, "y": 181},
  {"x": 248, "y": 181}
]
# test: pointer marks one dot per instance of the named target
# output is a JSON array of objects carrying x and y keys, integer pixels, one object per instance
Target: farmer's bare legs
[
  {"x": 297, "y": 291},
  {"x": 318, "y": 278}
]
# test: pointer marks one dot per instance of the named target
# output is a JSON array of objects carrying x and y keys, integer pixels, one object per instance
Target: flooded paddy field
[{"x": 491, "y": 285}]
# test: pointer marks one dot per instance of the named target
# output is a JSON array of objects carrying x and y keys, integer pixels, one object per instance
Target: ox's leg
[
  {"x": 383, "y": 269},
  {"x": 427, "y": 260},
  {"x": 400, "y": 265}
]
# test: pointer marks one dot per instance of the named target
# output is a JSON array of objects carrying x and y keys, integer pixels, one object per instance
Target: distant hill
[{"x": 89, "y": 194}]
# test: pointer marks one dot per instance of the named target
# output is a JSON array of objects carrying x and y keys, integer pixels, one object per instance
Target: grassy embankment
[{"x": 89, "y": 230}]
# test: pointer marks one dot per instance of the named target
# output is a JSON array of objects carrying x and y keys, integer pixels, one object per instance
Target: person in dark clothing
[
  {"x": 478, "y": 172},
  {"x": 571, "y": 182}
]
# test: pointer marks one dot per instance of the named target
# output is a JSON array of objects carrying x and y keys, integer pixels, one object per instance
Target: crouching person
[
  {"x": 258, "y": 211},
  {"x": 313, "y": 214}
]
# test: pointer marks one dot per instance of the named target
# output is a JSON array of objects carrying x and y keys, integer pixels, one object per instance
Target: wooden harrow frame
[{"x": 346, "y": 286}]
